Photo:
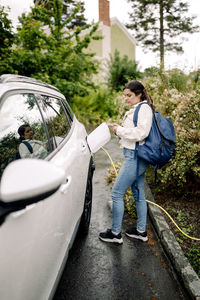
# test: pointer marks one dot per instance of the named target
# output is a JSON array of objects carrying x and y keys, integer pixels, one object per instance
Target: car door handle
[
  {"x": 64, "y": 187},
  {"x": 23, "y": 211}
]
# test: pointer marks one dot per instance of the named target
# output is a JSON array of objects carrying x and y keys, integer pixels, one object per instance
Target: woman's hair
[
  {"x": 21, "y": 130},
  {"x": 137, "y": 88}
]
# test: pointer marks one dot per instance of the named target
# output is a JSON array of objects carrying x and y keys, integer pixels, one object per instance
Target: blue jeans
[{"x": 126, "y": 179}]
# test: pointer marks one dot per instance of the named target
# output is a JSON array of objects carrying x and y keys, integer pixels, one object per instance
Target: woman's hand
[{"x": 113, "y": 127}]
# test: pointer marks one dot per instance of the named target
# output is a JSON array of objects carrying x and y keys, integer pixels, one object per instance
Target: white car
[{"x": 45, "y": 188}]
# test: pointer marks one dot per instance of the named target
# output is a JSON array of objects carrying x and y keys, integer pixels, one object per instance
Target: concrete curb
[{"x": 190, "y": 279}]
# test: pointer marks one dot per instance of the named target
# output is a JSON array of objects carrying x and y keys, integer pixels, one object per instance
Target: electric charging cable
[{"x": 150, "y": 202}]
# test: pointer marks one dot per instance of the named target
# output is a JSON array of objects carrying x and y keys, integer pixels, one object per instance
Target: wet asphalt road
[{"x": 135, "y": 270}]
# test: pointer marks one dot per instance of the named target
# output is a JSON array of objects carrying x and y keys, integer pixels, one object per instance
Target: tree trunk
[{"x": 161, "y": 36}]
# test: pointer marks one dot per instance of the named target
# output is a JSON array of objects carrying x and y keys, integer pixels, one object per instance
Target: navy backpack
[{"x": 159, "y": 146}]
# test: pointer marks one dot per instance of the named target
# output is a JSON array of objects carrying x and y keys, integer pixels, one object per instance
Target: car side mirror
[{"x": 27, "y": 181}]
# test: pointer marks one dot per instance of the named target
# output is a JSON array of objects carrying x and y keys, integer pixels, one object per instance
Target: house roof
[{"x": 123, "y": 28}]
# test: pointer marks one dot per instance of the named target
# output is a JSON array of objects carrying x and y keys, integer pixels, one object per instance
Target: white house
[{"x": 115, "y": 36}]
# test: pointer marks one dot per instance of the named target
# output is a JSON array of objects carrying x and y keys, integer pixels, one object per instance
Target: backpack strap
[
  {"x": 135, "y": 119},
  {"x": 135, "y": 116},
  {"x": 30, "y": 148}
]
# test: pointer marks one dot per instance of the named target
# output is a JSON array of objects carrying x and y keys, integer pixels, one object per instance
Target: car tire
[{"x": 86, "y": 215}]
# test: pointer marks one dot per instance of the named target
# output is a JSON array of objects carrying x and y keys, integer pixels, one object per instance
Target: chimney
[{"x": 104, "y": 12}]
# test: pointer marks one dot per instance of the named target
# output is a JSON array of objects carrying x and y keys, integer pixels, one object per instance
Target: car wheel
[{"x": 85, "y": 219}]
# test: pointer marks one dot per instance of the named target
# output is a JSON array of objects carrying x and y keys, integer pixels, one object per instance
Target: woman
[
  {"x": 32, "y": 148},
  {"x": 134, "y": 93}
]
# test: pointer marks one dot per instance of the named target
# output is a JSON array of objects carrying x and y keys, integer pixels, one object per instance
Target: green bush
[
  {"x": 158, "y": 81},
  {"x": 121, "y": 70},
  {"x": 45, "y": 49},
  {"x": 175, "y": 79},
  {"x": 97, "y": 107},
  {"x": 6, "y": 41},
  {"x": 193, "y": 256},
  {"x": 183, "y": 107},
  {"x": 151, "y": 71},
  {"x": 184, "y": 168}
]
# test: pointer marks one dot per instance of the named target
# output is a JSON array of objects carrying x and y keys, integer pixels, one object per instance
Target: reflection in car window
[
  {"x": 18, "y": 110},
  {"x": 30, "y": 147},
  {"x": 55, "y": 119}
]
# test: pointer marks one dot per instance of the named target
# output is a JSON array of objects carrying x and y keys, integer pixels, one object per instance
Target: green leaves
[
  {"x": 98, "y": 106},
  {"x": 6, "y": 41},
  {"x": 6, "y": 34},
  {"x": 174, "y": 96},
  {"x": 157, "y": 22},
  {"x": 121, "y": 69},
  {"x": 45, "y": 48},
  {"x": 194, "y": 258}
]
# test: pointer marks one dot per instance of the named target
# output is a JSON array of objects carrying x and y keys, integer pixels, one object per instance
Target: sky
[{"x": 188, "y": 61}]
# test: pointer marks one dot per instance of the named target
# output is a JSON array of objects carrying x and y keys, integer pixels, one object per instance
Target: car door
[
  {"x": 18, "y": 232},
  {"x": 72, "y": 155},
  {"x": 34, "y": 240}
]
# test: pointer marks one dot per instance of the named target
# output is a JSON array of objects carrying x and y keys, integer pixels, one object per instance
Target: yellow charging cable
[{"x": 192, "y": 238}]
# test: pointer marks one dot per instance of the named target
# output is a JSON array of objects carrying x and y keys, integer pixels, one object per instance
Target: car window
[
  {"x": 22, "y": 131},
  {"x": 56, "y": 118},
  {"x": 69, "y": 111}
]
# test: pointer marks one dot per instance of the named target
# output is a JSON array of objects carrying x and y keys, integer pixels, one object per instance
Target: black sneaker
[
  {"x": 109, "y": 237},
  {"x": 133, "y": 233}
]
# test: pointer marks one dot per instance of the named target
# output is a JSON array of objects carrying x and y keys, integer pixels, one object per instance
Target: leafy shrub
[
  {"x": 193, "y": 256},
  {"x": 196, "y": 78},
  {"x": 45, "y": 49},
  {"x": 183, "y": 108},
  {"x": 151, "y": 71},
  {"x": 121, "y": 70},
  {"x": 185, "y": 166},
  {"x": 175, "y": 79},
  {"x": 157, "y": 82},
  {"x": 97, "y": 107},
  {"x": 6, "y": 40}
]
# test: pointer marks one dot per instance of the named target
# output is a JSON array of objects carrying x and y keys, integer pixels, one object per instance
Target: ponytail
[{"x": 149, "y": 99}]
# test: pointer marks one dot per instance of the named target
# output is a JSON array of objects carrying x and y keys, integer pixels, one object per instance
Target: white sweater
[
  {"x": 128, "y": 133},
  {"x": 39, "y": 150}
]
